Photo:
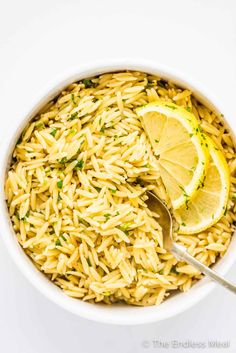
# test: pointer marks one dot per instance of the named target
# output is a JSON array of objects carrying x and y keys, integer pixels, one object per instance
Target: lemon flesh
[
  {"x": 209, "y": 203},
  {"x": 177, "y": 141}
]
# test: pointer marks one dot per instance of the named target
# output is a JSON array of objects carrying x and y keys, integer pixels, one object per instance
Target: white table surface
[{"x": 40, "y": 38}]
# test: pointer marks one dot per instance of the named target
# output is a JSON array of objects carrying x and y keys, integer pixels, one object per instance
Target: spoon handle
[{"x": 181, "y": 253}]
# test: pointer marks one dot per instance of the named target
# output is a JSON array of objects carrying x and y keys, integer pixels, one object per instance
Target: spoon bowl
[{"x": 156, "y": 205}]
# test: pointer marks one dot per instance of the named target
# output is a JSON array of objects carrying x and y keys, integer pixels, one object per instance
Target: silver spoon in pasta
[{"x": 181, "y": 253}]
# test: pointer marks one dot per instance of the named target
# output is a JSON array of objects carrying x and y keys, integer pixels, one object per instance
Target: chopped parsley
[
  {"x": 58, "y": 242},
  {"x": 88, "y": 83},
  {"x": 85, "y": 223},
  {"x": 25, "y": 216},
  {"x": 149, "y": 84},
  {"x": 113, "y": 191},
  {"x": 73, "y": 116},
  {"x": 170, "y": 106},
  {"x": 19, "y": 140},
  {"x": 98, "y": 189},
  {"x": 156, "y": 140},
  {"x": 188, "y": 109},
  {"x": 186, "y": 196},
  {"x": 174, "y": 270},
  {"x": 60, "y": 184},
  {"x": 63, "y": 160},
  {"x": 40, "y": 125},
  {"x": 107, "y": 216},
  {"x": 53, "y": 132},
  {"x": 201, "y": 183},
  {"x": 79, "y": 165},
  {"x": 72, "y": 131},
  {"x": 162, "y": 83},
  {"x": 102, "y": 129},
  {"x": 125, "y": 228},
  {"x": 73, "y": 98}
]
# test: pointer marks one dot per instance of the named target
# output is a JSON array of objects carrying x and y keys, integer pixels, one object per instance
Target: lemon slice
[
  {"x": 209, "y": 203},
  {"x": 177, "y": 141}
]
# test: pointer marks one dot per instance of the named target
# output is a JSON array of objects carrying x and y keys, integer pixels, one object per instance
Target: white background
[{"x": 39, "y": 39}]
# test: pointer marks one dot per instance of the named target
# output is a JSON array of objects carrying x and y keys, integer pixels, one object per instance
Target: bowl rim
[{"x": 102, "y": 313}]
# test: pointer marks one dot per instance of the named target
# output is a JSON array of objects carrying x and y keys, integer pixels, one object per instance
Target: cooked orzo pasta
[{"x": 76, "y": 193}]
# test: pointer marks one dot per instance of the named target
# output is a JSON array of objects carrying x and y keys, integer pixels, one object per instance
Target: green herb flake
[
  {"x": 63, "y": 160},
  {"x": 162, "y": 83},
  {"x": 58, "y": 242},
  {"x": 88, "y": 83},
  {"x": 149, "y": 84},
  {"x": 40, "y": 125},
  {"x": 102, "y": 129},
  {"x": 17, "y": 215},
  {"x": 170, "y": 106},
  {"x": 59, "y": 198},
  {"x": 73, "y": 98},
  {"x": 183, "y": 224},
  {"x": 161, "y": 272},
  {"x": 156, "y": 140},
  {"x": 20, "y": 139},
  {"x": 125, "y": 227},
  {"x": 73, "y": 116},
  {"x": 53, "y": 132},
  {"x": 186, "y": 196},
  {"x": 113, "y": 191},
  {"x": 60, "y": 184},
  {"x": 25, "y": 216},
  {"x": 72, "y": 132},
  {"x": 188, "y": 109},
  {"x": 107, "y": 216},
  {"x": 98, "y": 189},
  {"x": 79, "y": 165},
  {"x": 85, "y": 223},
  {"x": 174, "y": 270}
]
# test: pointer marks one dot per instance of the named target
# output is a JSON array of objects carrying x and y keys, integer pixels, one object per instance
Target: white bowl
[{"x": 115, "y": 314}]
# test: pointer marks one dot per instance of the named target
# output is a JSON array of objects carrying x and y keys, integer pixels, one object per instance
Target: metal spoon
[{"x": 181, "y": 253}]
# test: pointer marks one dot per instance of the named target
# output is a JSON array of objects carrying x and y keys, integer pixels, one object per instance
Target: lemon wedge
[
  {"x": 209, "y": 203},
  {"x": 177, "y": 141}
]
